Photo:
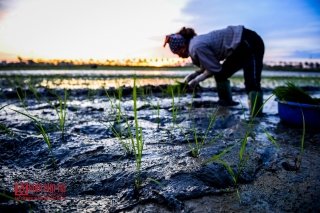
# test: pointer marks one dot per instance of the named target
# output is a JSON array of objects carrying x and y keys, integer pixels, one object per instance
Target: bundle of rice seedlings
[{"x": 292, "y": 93}]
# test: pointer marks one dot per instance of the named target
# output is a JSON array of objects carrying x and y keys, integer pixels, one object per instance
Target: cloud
[
  {"x": 276, "y": 21},
  {"x": 4, "y": 7}
]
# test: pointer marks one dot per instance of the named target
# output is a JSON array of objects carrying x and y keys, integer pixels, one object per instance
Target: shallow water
[
  {"x": 154, "y": 73},
  {"x": 81, "y": 79},
  {"x": 99, "y": 175}
]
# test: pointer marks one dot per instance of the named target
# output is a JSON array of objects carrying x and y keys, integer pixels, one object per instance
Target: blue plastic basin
[{"x": 290, "y": 113}]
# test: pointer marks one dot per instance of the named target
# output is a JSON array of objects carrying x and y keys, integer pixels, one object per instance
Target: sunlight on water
[
  {"x": 79, "y": 79},
  {"x": 80, "y": 83},
  {"x": 105, "y": 83}
]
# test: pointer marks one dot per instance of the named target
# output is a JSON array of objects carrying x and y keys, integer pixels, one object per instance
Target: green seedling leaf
[
  {"x": 109, "y": 98},
  {"x": 118, "y": 135},
  {"x": 137, "y": 145},
  {"x": 252, "y": 118},
  {"x": 243, "y": 111},
  {"x": 292, "y": 93},
  {"x": 228, "y": 167},
  {"x": 20, "y": 201},
  {"x": 9, "y": 197},
  {"x": 238, "y": 195},
  {"x": 4, "y": 106},
  {"x": 157, "y": 182},
  {"x": 22, "y": 104},
  {"x": 220, "y": 155},
  {"x": 210, "y": 125},
  {"x": 271, "y": 138},
  {"x": 243, "y": 164},
  {"x": 42, "y": 131},
  {"x": 254, "y": 106},
  {"x": 186, "y": 137},
  {"x": 33, "y": 90},
  {"x": 243, "y": 145},
  {"x": 299, "y": 159},
  {"x": 61, "y": 112},
  {"x": 3, "y": 127},
  {"x": 214, "y": 139}
]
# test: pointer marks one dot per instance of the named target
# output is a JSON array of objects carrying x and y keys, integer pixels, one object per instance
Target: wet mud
[{"x": 99, "y": 174}]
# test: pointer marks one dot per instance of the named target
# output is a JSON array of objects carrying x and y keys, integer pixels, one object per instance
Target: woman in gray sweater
[{"x": 238, "y": 48}]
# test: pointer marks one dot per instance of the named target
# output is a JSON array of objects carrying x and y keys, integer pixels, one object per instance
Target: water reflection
[
  {"x": 155, "y": 73},
  {"x": 79, "y": 79},
  {"x": 104, "y": 83},
  {"x": 96, "y": 83}
]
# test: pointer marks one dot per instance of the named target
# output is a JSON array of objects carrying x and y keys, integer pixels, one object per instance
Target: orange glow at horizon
[{"x": 143, "y": 62}]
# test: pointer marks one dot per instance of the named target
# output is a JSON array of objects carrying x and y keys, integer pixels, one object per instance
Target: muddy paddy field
[{"x": 108, "y": 146}]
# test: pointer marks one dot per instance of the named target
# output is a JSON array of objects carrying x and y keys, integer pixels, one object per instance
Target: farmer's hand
[
  {"x": 206, "y": 74},
  {"x": 192, "y": 75}
]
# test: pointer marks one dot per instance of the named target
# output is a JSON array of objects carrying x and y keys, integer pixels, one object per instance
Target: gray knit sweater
[{"x": 206, "y": 51}]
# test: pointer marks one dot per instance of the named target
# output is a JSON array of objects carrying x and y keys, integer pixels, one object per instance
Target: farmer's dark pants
[{"x": 248, "y": 56}]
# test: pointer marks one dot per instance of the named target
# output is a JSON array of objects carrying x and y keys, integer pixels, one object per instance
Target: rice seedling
[
  {"x": 155, "y": 109},
  {"x": 21, "y": 100},
  {"x": 174, "y": 107},
  {"x": 33, "y": 90},
  {"x": 200, "y": 141},
  {"x": 136, "y": 139},
  {"x": 3, "y": 128},
  {"x": 43, "y": 133},
  {"x": 118, "y": 106},
  {"x": 137, "y": 144},
  {"x": 254, "y": 112},
  {"x": 242, "y": 162},
  {"x": 143, "y": 93},
  {"x": 118, "y": 133},
  {"x": 88, "y": 95},
  {"x": 192, "y": 98},
  {"x": 292, "y": 93},
  {"x": 19, "y": 201},
  {"x": 298, "y": 159},
  {"x": 243, "y": 156},
  {"x": 116, "y": 126},
  {"x": 180, "y": 88},
  {"x": 109, "y": 98},
  {"x": 156, "y": 112},
  {"x": 61, "y": 112}
]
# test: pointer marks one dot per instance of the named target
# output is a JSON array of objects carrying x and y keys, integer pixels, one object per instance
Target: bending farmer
[{"x": 238, "y": 47}]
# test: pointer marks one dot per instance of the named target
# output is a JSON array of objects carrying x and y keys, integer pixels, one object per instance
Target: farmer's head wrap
[{"x": 175, "y": 41}]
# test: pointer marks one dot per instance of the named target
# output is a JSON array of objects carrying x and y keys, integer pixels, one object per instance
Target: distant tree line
[
  {"x": 107, "y": 62},
  {"x": 155, "y": 62},
  {"x": 299, "y": 65}
]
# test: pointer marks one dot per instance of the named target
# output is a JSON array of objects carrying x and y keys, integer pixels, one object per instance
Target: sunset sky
[{"x": 117, "y": 29}]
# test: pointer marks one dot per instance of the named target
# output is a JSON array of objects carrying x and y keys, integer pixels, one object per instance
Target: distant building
[
  {"x": 31, "y": 62},
  {"x": 3, "y": 63}
]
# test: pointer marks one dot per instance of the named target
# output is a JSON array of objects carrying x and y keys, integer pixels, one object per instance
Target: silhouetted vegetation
[{"x": 132, "y": 64}]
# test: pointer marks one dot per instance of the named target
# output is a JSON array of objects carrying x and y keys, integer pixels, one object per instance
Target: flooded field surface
[{"x": 99, "y": 144}]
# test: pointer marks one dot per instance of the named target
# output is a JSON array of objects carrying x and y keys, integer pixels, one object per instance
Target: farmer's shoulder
[
  {"x": 227, "y": 31},
  {"x": 200, "y": 41}
]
